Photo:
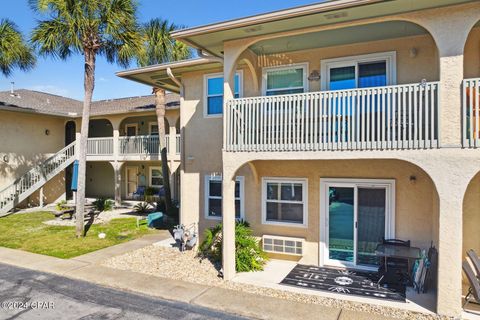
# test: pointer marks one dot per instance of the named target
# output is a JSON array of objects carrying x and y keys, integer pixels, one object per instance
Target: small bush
[
  {"x": 102, "y": 204},
  {"x": 61, "y": 205},
  {"x": 142, "y": 207},
  {"x": 249, "y": 256}
]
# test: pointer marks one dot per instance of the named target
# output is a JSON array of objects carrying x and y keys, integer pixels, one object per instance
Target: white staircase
[{"x": 31, "y": 181}]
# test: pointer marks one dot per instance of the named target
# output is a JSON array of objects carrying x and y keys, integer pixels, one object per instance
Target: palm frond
[
  {"x": 14, "y": 51},
  {"x": 158, "y": 44}
]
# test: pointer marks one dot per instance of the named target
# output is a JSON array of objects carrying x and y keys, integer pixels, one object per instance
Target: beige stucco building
[
  {"x": 293, "y": 118},
  {"x": 39, "y": 131},
  {"x": 327, "y": 127}
]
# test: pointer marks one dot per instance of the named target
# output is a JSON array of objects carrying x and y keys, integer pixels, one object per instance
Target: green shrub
[
  {"x": 249, "y": 256},
  {"x": 102, "y": 204},
  {"x": 150, "y": 194},
  {"x": 60, "y": 206},
  {"x": 142, "y": 207}
]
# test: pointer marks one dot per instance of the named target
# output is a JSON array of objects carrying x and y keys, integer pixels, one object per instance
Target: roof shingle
[{"x": 46, "y": 103}]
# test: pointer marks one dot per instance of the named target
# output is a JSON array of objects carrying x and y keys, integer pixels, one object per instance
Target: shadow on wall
[{"x": 13, "y": 166}]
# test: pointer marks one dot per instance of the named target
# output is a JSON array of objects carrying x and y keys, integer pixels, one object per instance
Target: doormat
[{"x": 344, "y": 281}]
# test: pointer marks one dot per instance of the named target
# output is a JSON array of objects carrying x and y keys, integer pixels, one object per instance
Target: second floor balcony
[
  {"x": 376, "y": 118},
  {"x": 144, "y": 147}
]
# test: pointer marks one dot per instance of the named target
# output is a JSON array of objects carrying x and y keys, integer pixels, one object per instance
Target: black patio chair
[
  {"x": 394, "y": 271},
  {"x": 474, "y": 290},
  {"x": 475, "y": 261}
]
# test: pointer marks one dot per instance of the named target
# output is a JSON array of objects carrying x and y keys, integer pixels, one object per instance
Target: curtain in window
[
  {"x": 342, "y": 78},
  {"x": 283, "y": 79}
]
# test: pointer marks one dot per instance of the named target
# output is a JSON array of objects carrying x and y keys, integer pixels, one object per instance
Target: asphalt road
[{"x": 31, "y": 295}]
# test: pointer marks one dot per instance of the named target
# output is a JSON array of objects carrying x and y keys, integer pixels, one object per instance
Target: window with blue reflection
[
  {"x": 215, "y": 94},
  {"x": 372, "y": 74},
  {"x": 342, "y": 78}
]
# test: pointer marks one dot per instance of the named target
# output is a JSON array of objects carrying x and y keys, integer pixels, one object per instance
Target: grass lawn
[{"x": 27, "y": 232}]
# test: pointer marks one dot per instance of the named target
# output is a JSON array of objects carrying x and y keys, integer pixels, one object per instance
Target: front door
[
  {"x": 357, "y": 216},
  {"x": 132, "y": 180}
]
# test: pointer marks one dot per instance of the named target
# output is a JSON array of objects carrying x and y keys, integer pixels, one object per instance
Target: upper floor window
[
  {"x": 370, "y": 70},
  {"x": 153, "y": 129},
  {"x": 285, "y": 80},
  {"x": 214, "y": 93}
]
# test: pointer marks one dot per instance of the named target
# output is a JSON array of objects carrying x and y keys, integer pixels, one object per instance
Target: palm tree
[
  {"x": 14, "y": 51},
  {"x": 92, "y": 28},
  {"x": 160, "y": 47}
]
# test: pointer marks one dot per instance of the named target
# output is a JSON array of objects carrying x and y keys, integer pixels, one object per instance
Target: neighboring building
[
  {"x": 335, "y": 124},
  {"x": 37, "y": 131}
]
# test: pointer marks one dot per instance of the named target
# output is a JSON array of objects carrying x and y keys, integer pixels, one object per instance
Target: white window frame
[
  {"x": 390, "y": 57},
  {"x": 209, "y": 178},
  {"x": 303, "y": 182},
  {"x": 131, "y": 125},
  {"x": 150, "y": 127},
  {"x": 389, "y": 184},
  {"x": 208, "y": 76},
  {"x": 303, "y": 65},
  {"x": 150, "y": 176}
]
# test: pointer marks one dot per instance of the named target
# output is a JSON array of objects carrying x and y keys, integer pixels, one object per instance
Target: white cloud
[
  {"x": 51, "y": 89},
  {"x": 102, "y": 79}
]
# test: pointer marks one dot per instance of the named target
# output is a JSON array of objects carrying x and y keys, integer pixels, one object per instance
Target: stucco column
[
  {"x": 231, "y": 54},
  {"x": 172, "y": 147},
  {"x": 451, "y": 179},
  {"x": 228, "y": 222},
  {"x": 117, "y": 180},
  {"x": 450, "y": 30},
  {"x": 116, "y": 137}
]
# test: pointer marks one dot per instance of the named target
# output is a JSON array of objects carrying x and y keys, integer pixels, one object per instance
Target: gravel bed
[{"x": 170, "y": 263}]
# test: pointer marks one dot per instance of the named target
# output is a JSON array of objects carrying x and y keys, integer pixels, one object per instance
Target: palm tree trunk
[
  {"x": 160, "y": 111},
  {"x": 89, "y": 84}
]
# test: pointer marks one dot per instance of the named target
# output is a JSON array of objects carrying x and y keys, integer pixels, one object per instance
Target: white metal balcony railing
[
  {"x": 139, "y": 145},
  {"x": 471, "y": 113},
  {"x": 391, "y": 117},
  {"x": 134, "y": 145},
  {"x": 100, "y": 146}
]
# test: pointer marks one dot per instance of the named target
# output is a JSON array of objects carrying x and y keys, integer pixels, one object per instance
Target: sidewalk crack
[
  {"x": 340, "y": 314},
  {"x": 192, "y": 301}
]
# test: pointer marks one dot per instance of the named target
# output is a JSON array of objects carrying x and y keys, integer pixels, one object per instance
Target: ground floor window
[
  {"x": 213, "y": 197},
  {"x": 156, "y": 178},
  {"x": 284, "y": 201}
]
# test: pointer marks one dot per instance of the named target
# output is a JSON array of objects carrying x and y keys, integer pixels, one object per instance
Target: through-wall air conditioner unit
[{"x": 283, "y": 245}]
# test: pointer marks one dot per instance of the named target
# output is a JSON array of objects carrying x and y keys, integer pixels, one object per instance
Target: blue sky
[{"x": 66, "y": 77}]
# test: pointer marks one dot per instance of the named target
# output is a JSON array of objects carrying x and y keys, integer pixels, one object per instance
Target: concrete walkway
[{"x": 87, "y": 267}]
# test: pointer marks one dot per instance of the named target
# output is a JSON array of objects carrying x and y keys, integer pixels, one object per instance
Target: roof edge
[
  {"x": 271, "y": 16},
  {"x": 165, "y": 66}
]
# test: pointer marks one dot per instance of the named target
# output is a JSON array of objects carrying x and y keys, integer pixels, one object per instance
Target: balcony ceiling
[
  {"x": 211, "y": 37},
  {"x": 337, "y": 37}
]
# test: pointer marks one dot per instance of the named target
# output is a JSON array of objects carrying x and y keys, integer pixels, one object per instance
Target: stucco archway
[{"x": 471, "y": 220}]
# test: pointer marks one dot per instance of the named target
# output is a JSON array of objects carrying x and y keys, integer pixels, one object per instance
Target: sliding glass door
[{"x": 357, "y": 216}]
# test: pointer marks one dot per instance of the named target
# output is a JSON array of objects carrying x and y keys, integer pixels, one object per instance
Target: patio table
[{"x": 392, "y": 251}]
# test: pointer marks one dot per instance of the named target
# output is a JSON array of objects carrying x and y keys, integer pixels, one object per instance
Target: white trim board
[{"x": 388, "y": 184}]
